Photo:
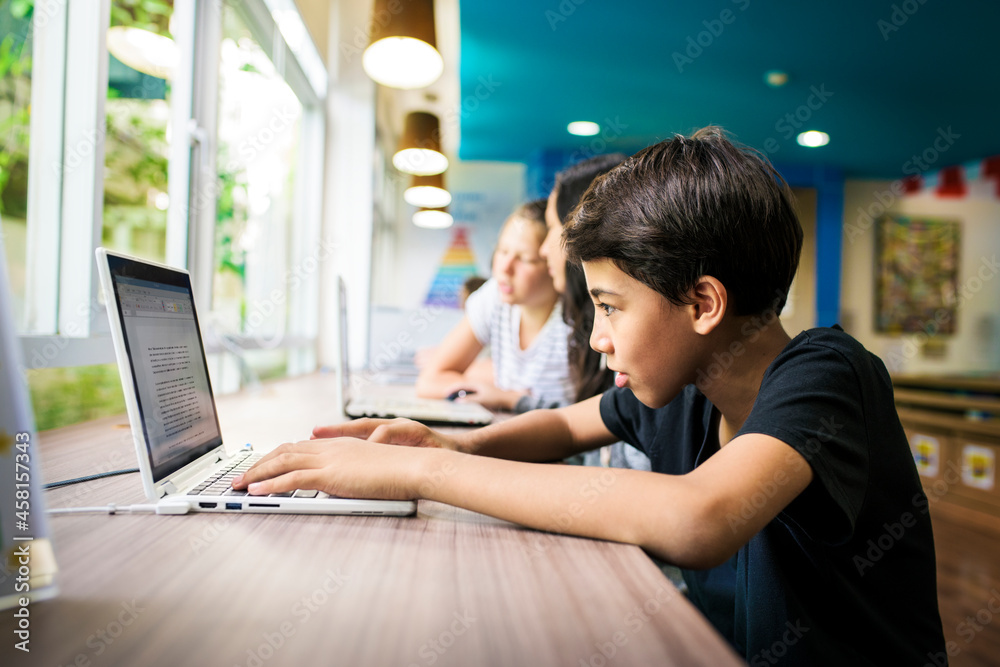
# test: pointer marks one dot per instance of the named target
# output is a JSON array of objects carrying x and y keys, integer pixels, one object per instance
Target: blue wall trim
[{"x": 829, "y": 185}]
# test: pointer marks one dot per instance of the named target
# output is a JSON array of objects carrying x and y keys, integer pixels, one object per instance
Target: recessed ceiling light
[
  {"x": 775, "y": 78},
  {"x": 813, "y": 138},
  {"x": 583, "y": 128}
]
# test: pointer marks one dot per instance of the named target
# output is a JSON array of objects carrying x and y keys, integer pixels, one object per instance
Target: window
[
  {"x": 137, "y": 136},
  {"x": 259, "y": 136},
  {"x": 114, "y": 97},
  {"x": 15, "y": 117}
]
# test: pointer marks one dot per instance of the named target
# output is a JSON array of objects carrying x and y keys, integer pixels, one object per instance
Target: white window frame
[{"x": 65, "y": 323}]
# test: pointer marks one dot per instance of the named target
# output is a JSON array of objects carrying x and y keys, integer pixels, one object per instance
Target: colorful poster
[
  {"x": 926, "y": 453},
  {"x": 457, "y": 264},
  {"x": 916, "y": 275},
  {"x": 978, "y": 467}
]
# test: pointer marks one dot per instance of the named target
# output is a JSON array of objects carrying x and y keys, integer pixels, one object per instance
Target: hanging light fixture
[
  {"x": 143, "y": 50},
  {"x": 433, "y": 218},
  {"x": 427, "y": 192},
  {"x": 420, "y": 146},
  {"x": 403, "y": 49}
]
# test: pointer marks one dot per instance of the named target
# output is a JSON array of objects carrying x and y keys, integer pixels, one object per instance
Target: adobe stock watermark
[
  {"x": 272, "y": 641},
  {"x": 898, "y": 17},
  {"x": 766, "y": 490},
  {"x": 695, "y": 45},
  {"x": 391, "y": 351},
  {"x": 432, "y": 650},
  {"x": 968, "y": 630},
  {"x": 261, "y": 311},
  {"x": 279, "y": 122},
  {"x": 893, "y": 532},
  {"x": 589, "y": 492},
  {"x": 362, "y": 36},
  {"x": 217, "y": 525},
  {"x": 751, "y": 330},
  {"x": 779, "y": 648},
  {"x": 632, "y": 623},
  {"x": 78, "y": 152},
  {"x": 611, "y": 131},
  {"x": 561, "y": 12},
  {"x": 107, "y": 634},
  {"x": 47, "y": 354},
  {"x": 793, "y": 121},
  {"x": 885, "y": 199}
]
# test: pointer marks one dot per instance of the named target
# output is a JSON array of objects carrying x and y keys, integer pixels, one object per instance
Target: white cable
[{"x": 163, "y": 507}]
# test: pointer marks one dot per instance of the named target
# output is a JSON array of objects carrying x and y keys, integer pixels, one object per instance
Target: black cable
[{"x": 67, "y": 482}]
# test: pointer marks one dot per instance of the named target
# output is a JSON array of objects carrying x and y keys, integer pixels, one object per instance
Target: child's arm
[
  {"x": 540, "y": 435},
  {"x": 455, "y": 354},
  {"x": 696, "y": 520}
]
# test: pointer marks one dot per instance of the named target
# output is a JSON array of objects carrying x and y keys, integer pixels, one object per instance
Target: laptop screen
[{"x": 169, "y": 370}]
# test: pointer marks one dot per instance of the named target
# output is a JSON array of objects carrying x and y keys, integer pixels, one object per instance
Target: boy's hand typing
[{"x": 341, "y": 467}]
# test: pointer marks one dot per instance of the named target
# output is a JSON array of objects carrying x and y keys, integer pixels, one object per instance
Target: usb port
[
  {"x": 208, "y": 506},
  {"x": 234, "y": 506}
]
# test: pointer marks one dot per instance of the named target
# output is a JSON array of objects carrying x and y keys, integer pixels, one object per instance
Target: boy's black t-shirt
[{"x": 845, "y": 575}]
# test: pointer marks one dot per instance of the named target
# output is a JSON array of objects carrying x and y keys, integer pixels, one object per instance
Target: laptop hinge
[{"x": 167, "y": 488}]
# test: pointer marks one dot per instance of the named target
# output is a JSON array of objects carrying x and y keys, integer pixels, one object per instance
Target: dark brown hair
[
  {"x": 589, "y": 378},
  {"x": 689, "y": 207}
]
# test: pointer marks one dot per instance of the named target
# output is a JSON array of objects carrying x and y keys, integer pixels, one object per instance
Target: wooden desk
[{"x": 447, "y": 587}]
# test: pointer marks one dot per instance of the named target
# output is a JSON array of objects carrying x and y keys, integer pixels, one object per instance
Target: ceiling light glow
[
  {"x": 583, "y": 128},
  {"x": 432, "y": 219},
  {"x": 813, "y": 138}
]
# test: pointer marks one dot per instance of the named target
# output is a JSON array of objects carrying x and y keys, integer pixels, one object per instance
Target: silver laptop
[
  {"x": 358, "y": 400},
  {"x": 168, "y": 394}
]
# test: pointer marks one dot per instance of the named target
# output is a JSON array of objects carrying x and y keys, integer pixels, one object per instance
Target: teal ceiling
[{"x": 892, "y": 77}]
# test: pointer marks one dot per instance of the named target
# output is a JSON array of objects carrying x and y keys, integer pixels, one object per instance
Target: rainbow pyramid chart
[{"x": 457, "y": 264}]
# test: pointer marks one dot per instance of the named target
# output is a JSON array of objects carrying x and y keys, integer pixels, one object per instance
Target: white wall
[
  {"x": 975, "y": 345},
  {"x": 348, "y": 192},
  {"x": 485, "y": 194}
]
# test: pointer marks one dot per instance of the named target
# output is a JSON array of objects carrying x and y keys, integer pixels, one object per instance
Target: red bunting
[
  {"x": 991, "y": 169},
  {"x": 913, "y": 184},
  {"x": 951, "y": 182}
]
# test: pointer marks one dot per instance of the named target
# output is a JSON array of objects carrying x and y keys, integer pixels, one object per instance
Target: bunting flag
[
  {"x": 991, "y": 169},
  {"x": 953, "y": 182},
  {"x": 457, "y": 264}
]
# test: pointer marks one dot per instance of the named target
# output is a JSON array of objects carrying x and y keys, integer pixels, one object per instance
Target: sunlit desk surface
[{"x": 446, "y": 587}]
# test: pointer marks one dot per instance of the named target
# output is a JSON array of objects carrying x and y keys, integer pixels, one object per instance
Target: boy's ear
[{"x": 710, "y": 300}]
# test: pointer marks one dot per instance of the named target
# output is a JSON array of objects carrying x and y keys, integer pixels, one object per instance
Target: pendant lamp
[
  {"x": 419, "y": 150},
  {"x": 427, "y": 192},
  {"x": 403, "y": 51}
]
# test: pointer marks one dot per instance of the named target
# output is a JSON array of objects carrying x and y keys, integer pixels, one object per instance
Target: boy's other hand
[{"x": 389, "y": 431}]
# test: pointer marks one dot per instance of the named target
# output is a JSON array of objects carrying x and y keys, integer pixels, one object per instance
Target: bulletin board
[{"x": 916, "y": 274}]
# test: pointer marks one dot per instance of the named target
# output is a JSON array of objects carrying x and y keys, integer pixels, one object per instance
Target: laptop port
[
  {"x": 264, "y": 505},
  {"x": 208, "y": 506},
  {"x": 234, "y": 506}
]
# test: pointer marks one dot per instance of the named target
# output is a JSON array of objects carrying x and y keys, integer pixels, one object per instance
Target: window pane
[
  {"x": 136, "y": 147},
  {"x": 15, "y": 109},
  {"x": 63, "y": 396},
  {"x": 258, "y": 137}
]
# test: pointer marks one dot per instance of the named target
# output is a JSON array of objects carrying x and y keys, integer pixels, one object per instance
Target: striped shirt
[{"x": 542, "y": 369}]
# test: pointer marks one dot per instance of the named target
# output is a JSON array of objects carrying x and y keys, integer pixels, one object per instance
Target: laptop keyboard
[{"x": 220, "y": 484}]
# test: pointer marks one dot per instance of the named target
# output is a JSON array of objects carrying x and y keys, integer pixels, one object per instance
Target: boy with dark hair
[{"x": 785, "y": 452}]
